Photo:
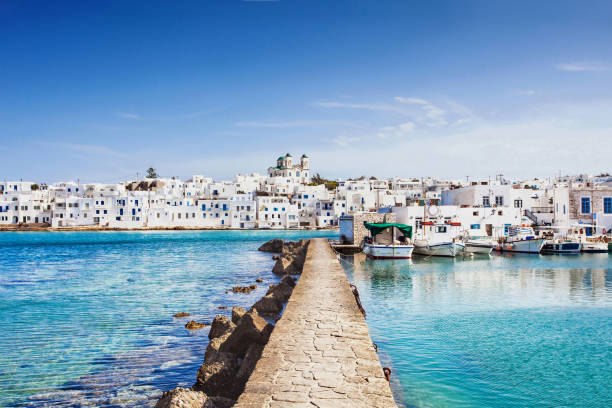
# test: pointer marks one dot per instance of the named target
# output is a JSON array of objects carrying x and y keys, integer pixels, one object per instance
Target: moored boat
[
  {"x": 388, "y": 241},
  {"x": 428, "y": 248},
  {"x": 479, "y": 245},
  {"x": 561, "y": 247},
  {"x": 521, "y": 239}
]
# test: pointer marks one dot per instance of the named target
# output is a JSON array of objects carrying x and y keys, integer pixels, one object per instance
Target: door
[{"x": 489, "y": 229}]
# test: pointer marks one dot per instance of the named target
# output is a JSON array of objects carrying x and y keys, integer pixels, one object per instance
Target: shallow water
[
  {"x": 87, "y": 320},
  {"x": 498, "y": 331}
]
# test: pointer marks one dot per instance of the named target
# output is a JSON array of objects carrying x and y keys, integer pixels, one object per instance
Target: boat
[
  {"x": 521, "y": 239},
  {"x": 479, "y": 245},
  {"x": 388, "y": 241},
  {"x": 561, "y": 247},
  {"x": 597, "y": 243},
  {"x": 440, "y": 241}
]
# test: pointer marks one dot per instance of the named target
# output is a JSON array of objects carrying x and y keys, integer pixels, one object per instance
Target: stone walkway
[{"x": 320, "y": 353}]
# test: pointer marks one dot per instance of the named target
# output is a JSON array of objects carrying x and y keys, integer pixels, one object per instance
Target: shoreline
[{"x": 102, "y": 229}]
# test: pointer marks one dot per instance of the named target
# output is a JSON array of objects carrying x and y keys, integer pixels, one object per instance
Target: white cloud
[
  {"x": 398, "y": 131},
  {"x": 344, "y": 141},
  {"x": 434, "y": 114},
  {"x": 526, "y": 92},
  {"x": 294, "y": 123},
  {"x": 365, "y": 106},
  {"x": 128, "y": 115},
  {"x": 584, "y": 66}
]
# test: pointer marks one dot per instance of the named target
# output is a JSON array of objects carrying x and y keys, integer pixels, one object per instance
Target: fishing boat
[
  {"x": 595, "y": 243},
  {"x": 388, "y": 241},
  {"x": 561, "y": 247},
  {"x": 479, "y": 245},
  {"x": 521, "y": 239},
  {"x": 438, "y": 240}
]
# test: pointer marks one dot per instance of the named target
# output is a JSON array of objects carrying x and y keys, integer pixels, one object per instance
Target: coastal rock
[
  {"x": 181, "y": 314},
  {"x": 220, "y": 402},
  {"x": 274, "y": 245},
  {"x": 259, "y": 280},
  {"x": 252, "y": 356},
  {"x": 212, "y": 350},
  {"x": 219, "y": 377},
  {"x": 244, "y": 289},
  {"x": 268, "y": 305},
  {"x": 220, "y": 326},
  {"x": 193, "y": 325},
  {"x": 275, "y": 257},
  {"x": 282, "y": 291},
  {"x": 253, "y": 329},
  {"x": 237, "y": 313},
  {"x": 183, "y": 398}
]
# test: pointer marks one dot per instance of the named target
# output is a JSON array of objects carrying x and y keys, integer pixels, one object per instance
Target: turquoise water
[
  {"x": 498, "y": 331},
  {"x": 87, "y": 320}
]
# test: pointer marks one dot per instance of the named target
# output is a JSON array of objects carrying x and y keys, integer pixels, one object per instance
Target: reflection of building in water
[{"x": 438, "y": 282}]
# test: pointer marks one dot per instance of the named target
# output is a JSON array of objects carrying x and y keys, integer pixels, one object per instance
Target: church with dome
[{"x": 285, "y": 168}]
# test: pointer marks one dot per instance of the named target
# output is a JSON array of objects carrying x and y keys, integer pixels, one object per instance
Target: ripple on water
[{"x": 87, "y": 316}]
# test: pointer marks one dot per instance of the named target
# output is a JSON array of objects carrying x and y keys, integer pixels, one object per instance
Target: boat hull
[
  {"x": 561, "y": 248},
  {"x": 377, "y": 251},
  {"x": 595, "y": 247},
  {"x": 529, "y": 246},
  {"x": 474, "y": 248},
  {"x": 450, "y": 249}
]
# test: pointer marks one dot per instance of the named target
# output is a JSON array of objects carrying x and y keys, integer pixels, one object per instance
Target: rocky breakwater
[{"x": 236, "y": 344}]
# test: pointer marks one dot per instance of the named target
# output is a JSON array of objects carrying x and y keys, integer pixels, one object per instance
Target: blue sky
[{"x": 100, "y": 91}]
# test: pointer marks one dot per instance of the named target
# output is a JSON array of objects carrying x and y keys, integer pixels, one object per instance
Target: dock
[{"x": 320, "y": 353}]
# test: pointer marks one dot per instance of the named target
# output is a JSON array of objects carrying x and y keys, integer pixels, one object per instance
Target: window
[
  {"x": 518, "y": 203},
  {"x": 499, "y": 200},
  {"x": 475, "y": 213},
  {"x": 485, "y": 201},
  {"x": 441, "y": 229},
  {"x": 585, "y": 205},
  {"x": 506, "y": 229},
  {"x": 607, "y": 205},
  {"x": 475, "y": 226}
]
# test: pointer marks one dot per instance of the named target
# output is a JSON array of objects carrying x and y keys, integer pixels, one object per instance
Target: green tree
[
  {"x": 34, "y": 187},
  {"x": 151, "y": 173}
]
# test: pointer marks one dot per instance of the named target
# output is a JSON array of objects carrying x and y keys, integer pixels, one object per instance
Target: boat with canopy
[{"x": 388, "y": 240}]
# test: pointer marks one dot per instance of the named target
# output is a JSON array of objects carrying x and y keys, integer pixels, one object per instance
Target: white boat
[
  {"x": 595, "y": 247},
  {"x": 479, "y": 245},
  {"x": 439, "y": 240},
  {"x": 595, "y": 243},
  {"x": 521, "y": 239},
  {"x": 388, "y": 241},
  {"x": 388, "y": 251},
  {"x": 428, "y": 248}
]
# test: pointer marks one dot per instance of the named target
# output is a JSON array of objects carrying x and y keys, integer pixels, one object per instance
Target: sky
[{"x": 100, "y": 91}]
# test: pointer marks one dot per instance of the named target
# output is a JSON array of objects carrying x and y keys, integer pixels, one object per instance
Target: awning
[{"x": 377, "y": 228}]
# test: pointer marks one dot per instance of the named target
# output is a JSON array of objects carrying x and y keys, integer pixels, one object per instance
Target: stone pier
[{"x": 320, "y": 353}]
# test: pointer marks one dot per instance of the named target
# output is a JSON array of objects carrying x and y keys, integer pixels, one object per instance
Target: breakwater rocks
[
  {"x": 290, "y": 255},
  {"x": 236, "y": 344}
]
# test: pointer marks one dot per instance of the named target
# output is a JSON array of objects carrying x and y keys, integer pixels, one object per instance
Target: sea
[{"x": 87, "y": 319}]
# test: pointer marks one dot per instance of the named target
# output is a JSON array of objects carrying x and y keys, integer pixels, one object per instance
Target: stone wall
[{"x": 360, "y": 231}]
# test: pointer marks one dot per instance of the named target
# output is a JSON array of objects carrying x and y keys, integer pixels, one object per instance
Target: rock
[
  {"x": 181, "y": 314},
  {"x": 253, "y": 329},
  {"x": 275, "y": 257},
  {"x": 252, "y": 356},
  {"x": 182, "y": 398},
  {"x": 274, "y": 245},
  {"x": 268, "y": 305},
  {"x": 244, "y": 289},
  {"x": 193, "y": 325},
  {"x": 219, "y": 377},
  {"x": 282, "y": 291},
  {"x": 220, "y": 326},
  {"x": 222, "y": 307},
  {"x": 259, "y": 280},
  {"x": 237, "y": 313},
  {"x": 212, "y": 350},
  {"x": 220, "y": 402}
]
